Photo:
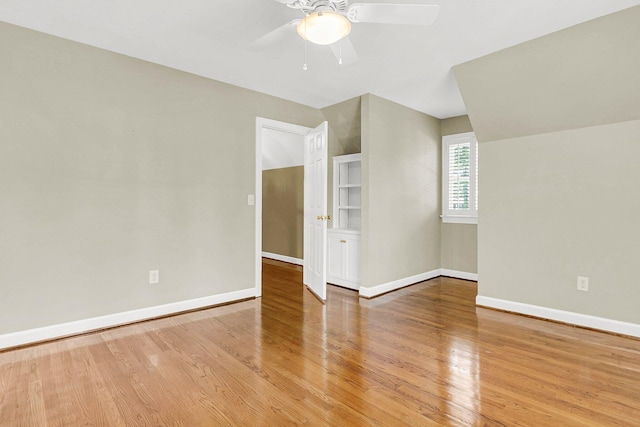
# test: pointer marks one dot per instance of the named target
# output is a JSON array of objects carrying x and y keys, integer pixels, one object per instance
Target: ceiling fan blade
[
  {"x": 290, "y": 3},
  {"x": 344, "y": 50},
  {"x": 382, "y": 13},
  {"x": 272, "y": 37}
]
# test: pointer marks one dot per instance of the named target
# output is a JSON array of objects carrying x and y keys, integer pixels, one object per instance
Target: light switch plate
[
  {"x": 583, "y": 284},
  {"x": 154, "y": 277}
]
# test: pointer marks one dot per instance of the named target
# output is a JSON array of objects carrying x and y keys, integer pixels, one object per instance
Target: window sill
[{"x": 459, "y": 219}]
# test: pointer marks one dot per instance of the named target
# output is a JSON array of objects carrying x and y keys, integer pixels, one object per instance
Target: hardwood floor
[{"x": 420, "y": 356}]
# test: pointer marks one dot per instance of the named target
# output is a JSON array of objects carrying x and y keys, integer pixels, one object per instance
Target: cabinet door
[
  {"x": 351, "y": 268},
  {"x": 335, "y": 266},
  {"x": 343, "y": 259}
]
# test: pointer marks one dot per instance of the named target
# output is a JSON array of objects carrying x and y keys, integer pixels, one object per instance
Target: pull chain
[
  {"x": 304, "y": 66},
  {"x": 340, "y": 59}
]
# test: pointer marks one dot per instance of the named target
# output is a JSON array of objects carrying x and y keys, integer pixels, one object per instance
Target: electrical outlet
[
  {"x": 583, "y": 284},
  {"x": 154, "y": 277}
]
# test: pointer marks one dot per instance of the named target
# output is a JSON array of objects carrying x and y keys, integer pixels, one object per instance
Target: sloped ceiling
[
  {"x": 582, "y": 76},
  {"x": 407, "y": 65}
]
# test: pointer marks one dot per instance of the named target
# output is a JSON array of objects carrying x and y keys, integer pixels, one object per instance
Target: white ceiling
[
  {"x": 281, "y": 149},
  {"x": 211, "y": 38}
]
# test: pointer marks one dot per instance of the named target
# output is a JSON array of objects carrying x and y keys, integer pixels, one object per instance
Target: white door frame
[{"x": 261, "y": 124}]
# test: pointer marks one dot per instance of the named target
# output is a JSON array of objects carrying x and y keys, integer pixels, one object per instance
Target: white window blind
[{"x": 460, "y": 178}]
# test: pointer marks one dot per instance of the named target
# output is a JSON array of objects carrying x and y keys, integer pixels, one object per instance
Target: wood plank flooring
[{"x": 420, "y": 356}]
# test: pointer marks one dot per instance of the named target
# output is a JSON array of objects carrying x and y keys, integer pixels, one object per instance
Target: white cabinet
[
  {"x": 343, "y": 241},
  {"x": 343, "y": 261}
]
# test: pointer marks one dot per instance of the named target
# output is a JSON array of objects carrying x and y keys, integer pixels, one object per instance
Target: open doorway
[{"x": 280, "y": 152}]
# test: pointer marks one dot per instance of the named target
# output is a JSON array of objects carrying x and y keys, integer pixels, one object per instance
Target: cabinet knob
[{"x": 343, "y": 241}]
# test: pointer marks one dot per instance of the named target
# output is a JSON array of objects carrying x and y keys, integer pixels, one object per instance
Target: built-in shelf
[
  {"x": 343, "y": 240},
  {"x": 347, "y": 191}
]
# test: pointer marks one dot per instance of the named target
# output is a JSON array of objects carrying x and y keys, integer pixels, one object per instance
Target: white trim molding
[
  {"x": 374, "y": 291},
  {"x": 452, "y": 219},
  {"x": 283, "y": 258},
  {"x": 31, "y": 336},
  {"x": 578, "y": 319},
  {"x": 397, "y": 284},
  {"x": 459, "y": 274}
]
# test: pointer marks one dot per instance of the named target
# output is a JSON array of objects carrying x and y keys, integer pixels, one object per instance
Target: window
[{"x": 460, "y": 178}]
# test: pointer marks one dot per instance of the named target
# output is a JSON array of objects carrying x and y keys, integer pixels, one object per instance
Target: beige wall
[
  {"x": 453, "y": 125},
  {"x": 401, "y": 192},
  {"x": 561, "y": 205},
  {"x": 559, "y": 123},
  {"x": 111, "y": 167},
  {"x": 345, "y": 126},
  {"x": 459, "y": 247},
  {"x": 459, "y": 242},
  {"x": 283, "y": 211},
  {"x": 582, "y": 76}
]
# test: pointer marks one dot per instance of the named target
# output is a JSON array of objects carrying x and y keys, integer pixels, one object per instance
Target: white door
[{"x": 315, "y": 211}]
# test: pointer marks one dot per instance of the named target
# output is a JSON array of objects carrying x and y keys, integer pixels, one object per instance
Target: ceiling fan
[{"x": 327, "y": 22}]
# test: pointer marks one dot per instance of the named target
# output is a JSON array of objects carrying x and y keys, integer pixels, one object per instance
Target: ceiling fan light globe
[{"x": 324, "y": 27}]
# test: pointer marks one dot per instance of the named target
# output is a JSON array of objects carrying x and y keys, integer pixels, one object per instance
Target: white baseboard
[
  {"x": 609, "y": 325},
  {"x": 397, "y": 284},
  {"x": 30, "y": 336},
  {"x": 283, "y": 258},
  {"x": 459, "y": 274}
]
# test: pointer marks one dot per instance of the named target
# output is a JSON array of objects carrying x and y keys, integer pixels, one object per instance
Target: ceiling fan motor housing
[{"x": 310, "y": 6}]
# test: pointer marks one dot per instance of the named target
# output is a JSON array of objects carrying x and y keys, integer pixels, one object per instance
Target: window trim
[{"x": 470, "y": 216}]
